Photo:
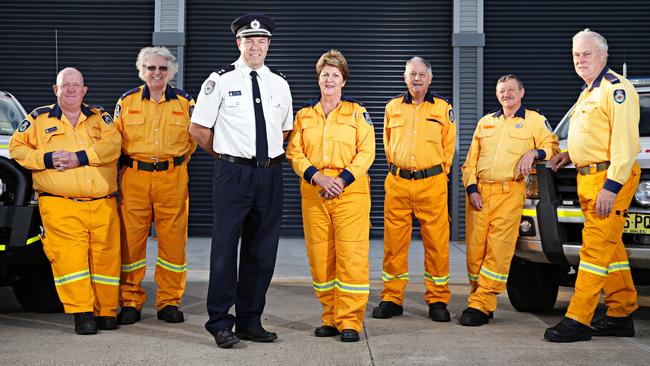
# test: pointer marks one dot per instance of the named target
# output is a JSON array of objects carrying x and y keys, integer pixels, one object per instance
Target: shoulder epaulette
[
  {"x": 98, "y": 108},
  {"x": 440, "y": 96},
  {"x": 132, "y": 91},
  {"x": 351, "y": 100},
  {"x": 612, "y": 78},
  {"x": 401, "y": 95},
  {"x": 535, "y": 110},
  {"x": 310, "y": 103},
  {"x": 183, "y": 93},
  {"x": 40, "y": 110},
  {"x": 225, "y": 69},
  {"x": 277, "y": 72}
]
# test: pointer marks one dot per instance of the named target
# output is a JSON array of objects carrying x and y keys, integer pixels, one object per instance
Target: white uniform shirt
[{"x": 226, "y": 103}]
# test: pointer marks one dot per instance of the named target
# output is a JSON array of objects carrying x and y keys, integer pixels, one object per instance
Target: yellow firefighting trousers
[
  {"x": 603, "y": 261},
  {"x": 162, "y": 197},
  {"x": 427, "y": 199},
  {"x": 337, "y": 241},
  {"x": 83, "y": 245},
  {"x": 491, "y": 238}
]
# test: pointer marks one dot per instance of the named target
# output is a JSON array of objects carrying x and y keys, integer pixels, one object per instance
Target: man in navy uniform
[{"x": 242, "y": 116}]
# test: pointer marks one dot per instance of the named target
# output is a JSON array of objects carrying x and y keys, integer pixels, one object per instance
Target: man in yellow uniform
[
  {"x": 419, "y": 140},
  {"x": 603, "y": 144},
  {"x": 503, "y": 149},
  {"x": 72, "y": 149},
  {"x": 154, "y": 120}
]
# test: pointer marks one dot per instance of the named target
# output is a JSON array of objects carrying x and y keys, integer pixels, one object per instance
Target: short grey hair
[
  {"x": 601, "y": 42},
  {"x": 418, "y": 59},
  {"x": 59, "y": 76},
  {"x": 163, "y": 52}
]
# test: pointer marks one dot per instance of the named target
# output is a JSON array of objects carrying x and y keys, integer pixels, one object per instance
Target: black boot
[
  {"x": 171, "y": 314},
  {"x": 128, "y": 315},
  {"x": 438, "y": 312},
  {"x": 568, "y": 330},
  {"x": 473, "y": 317},
  {"x": 387, "y": 309},
  {"x": 613, "y": 327},
  {"x": 84, "y": 323}
]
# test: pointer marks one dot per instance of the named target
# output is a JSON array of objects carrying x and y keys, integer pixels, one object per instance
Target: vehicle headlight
[
  {"x": 642, "y": 195},
  {"x": 532, "y": 187}
]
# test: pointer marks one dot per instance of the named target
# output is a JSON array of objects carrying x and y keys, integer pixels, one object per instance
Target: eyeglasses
[{"x": 153, "y": 68}]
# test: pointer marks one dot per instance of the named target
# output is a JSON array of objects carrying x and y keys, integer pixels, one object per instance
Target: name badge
[{"x": 234, "y": 93}]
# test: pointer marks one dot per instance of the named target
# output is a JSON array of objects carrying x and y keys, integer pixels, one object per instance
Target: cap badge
[{"x": 255, "y": 24}]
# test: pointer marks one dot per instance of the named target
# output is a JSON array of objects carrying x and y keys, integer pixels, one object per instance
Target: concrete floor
[{"x": 293, "y": 312}]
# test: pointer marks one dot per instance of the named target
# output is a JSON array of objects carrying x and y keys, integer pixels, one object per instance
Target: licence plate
[{"x": 637, "y": 224}]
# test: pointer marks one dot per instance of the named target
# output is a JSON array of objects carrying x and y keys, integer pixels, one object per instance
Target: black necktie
[{"x": 261, "y": 146}]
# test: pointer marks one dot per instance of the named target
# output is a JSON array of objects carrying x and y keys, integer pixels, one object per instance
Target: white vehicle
[
  {"x": 23, "y": 264},
  {"x": 550, "y": 232}
]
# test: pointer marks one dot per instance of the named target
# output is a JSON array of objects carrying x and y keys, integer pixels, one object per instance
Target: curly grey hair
[{"x": 163, "y": 52}]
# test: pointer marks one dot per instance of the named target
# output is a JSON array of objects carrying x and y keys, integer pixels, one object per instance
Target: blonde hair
[{"x": 336, "y": 59}]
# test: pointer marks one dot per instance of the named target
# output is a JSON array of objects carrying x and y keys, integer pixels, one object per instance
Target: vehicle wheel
[
  {"x": 532, "y": 287},
  {"x": 35, "y": 290}
]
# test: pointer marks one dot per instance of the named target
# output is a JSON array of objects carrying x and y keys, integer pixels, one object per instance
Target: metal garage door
[
  {"x": 100, "y": 38},
  {"x": 533, "y": 40},
  {"x": 377, "y": 37}
]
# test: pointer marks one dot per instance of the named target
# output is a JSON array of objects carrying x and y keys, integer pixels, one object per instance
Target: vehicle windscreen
[
  {"x": 644, "y": 122},
  {"x": 10, "y": 115}
]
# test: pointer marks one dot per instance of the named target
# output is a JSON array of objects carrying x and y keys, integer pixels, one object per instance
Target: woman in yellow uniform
[{"x": 331, "y": 148}]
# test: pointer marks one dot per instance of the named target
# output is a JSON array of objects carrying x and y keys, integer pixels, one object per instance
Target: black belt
[
  {"x": 158, "y": 166},
  {"x": 593, "y": 168},
  {"x": 416, "y": 174},
  {"x": 76, "y": 199},
  {"x": 250, "y": 162}
]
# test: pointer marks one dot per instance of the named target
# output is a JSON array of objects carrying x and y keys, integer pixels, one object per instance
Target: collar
[
  {"x": 58, "y": 112},
  {"x": 313, "y": 102},
  {"x": 597, "y": 80},
  {"x": 408, "y": 98},
  {"x": 244, "y": 68},
  {"x": 521, "y": 112},
  {"x": 169, "y": 93}
]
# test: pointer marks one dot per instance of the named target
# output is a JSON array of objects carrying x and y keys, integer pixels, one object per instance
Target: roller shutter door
[
  {"x": 100, "y": 38},
  {"x": 533, "y": 40},
  {"x": 376, "y": 37}
]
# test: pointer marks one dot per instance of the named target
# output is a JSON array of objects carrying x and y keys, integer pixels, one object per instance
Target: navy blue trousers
[{"x": 248, "y": 205}]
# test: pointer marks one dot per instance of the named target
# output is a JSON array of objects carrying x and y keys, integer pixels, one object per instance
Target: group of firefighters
[{"x": 97, "y": 246}]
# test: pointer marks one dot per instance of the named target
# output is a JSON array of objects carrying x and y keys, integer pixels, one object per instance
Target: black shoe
[
  {"x": 613, "y": 326},
  {"x": 387, "y": 309},
  {"x": 256, "y": 334},
  {"x": 128, "y": 315},
  {"x": 349, "y": 335},
  {"x": 568, "y": 330},
  {"x": 326, "y": 331},
  {"x": 438, "y": 312},
  {"x": 473, "y": 317},
  {"x": 225, "y": 338},
  {"x": 84, "y": 323},
  {"x": 171, "y": 314},
  {"x": 106, "y": 322}
]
